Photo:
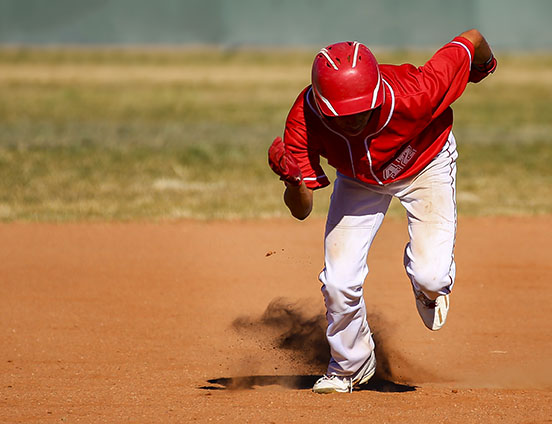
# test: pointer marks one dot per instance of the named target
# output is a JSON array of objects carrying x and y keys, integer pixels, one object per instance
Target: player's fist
[
  {"x": 283, "y": 164},
  {"x": 482, "y": 70}
]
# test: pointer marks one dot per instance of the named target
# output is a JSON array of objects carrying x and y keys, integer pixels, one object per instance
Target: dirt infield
[{"x": 222, "y": 321}]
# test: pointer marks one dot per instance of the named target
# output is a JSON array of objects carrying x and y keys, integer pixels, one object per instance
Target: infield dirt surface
[{"x": 223, "y": 321}]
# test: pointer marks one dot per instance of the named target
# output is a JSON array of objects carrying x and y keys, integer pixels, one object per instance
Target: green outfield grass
[{"x": 162, "y": 134}]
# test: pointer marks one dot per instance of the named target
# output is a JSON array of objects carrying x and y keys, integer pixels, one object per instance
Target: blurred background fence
[
  {"x": 508, "y": 24},
  {"x": 133, "y": 131}
]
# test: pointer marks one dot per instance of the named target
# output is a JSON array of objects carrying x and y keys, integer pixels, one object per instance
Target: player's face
[{"x": 352, "y": 124}]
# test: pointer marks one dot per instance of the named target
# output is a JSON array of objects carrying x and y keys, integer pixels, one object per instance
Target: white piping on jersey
[
  {"x": 370, "y": 163},
  {"x": 371, "y": 135},
  {"x": 335, "y": 132},
  {"x": 327, "y": 56},
  {"x": 355, "y": 55},
  {"x": 468, "y": 50},
  {"x": 390, "y": 111}
]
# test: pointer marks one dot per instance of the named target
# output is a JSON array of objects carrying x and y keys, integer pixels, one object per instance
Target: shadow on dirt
[{"x": 298, "y": 382}]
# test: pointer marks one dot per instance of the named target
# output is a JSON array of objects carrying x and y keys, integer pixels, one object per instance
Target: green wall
[{"x": 508, "y": 24}]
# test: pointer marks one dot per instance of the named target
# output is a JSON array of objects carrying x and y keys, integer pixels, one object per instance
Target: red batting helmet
[{"x": 346, "y": 79}]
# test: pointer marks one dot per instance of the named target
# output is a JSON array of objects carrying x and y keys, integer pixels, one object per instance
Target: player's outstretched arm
[{"x": 484, "y": 62}]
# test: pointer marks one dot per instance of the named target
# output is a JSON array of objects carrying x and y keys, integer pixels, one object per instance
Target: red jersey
[{"x": 402, "y": 136}]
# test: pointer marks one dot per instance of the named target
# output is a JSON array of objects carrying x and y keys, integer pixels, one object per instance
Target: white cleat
[
  {"x": 338, "y": 384},
  {"x": 333, "y": 384},
  {"x": 433, "y": 312}
]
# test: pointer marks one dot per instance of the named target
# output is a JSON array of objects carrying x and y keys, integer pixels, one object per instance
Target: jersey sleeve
[
  {"x": 303, "y": 148},
  {"x": 445, "y": 76}
]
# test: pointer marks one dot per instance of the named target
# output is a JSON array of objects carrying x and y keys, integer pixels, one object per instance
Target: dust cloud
[
  {"x": 295, "y": 327},
  {"x": 298, "y": 329}
]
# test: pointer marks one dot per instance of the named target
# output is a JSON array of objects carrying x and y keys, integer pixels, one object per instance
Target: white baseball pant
[{"x": 356, "y": 213}]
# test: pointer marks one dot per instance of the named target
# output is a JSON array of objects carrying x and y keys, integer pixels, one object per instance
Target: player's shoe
[
  {"x": 338, "y": 384},
  {"x": 333, "y": 384},
  {"x": 433, "y": 312}
]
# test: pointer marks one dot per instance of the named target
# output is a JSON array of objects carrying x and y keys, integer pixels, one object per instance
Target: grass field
[{"x": 111, "y": 134}]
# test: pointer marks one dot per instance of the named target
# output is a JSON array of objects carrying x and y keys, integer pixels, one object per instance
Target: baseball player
[{"x": 387, "y": 131}]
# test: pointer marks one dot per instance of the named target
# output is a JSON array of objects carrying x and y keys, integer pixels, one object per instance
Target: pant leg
[
  {"x": 430, "y": 202},
  {"x": 354, "y": 217}
]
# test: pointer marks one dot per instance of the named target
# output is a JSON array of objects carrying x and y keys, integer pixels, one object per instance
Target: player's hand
[
  {"x": 283, "y": 164},
  {"x": 482, "y": 70}
]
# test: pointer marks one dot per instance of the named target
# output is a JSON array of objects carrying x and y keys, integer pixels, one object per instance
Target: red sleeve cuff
[{"x": 315, "y": 183}]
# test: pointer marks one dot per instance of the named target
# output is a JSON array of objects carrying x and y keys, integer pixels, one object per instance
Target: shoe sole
[
  {"x": 329, "y": 390},
  {"x": 435, "y": 326}
]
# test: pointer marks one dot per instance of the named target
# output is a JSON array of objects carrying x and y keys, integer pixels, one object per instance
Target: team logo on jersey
[{"x": 394, "y": 168}]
